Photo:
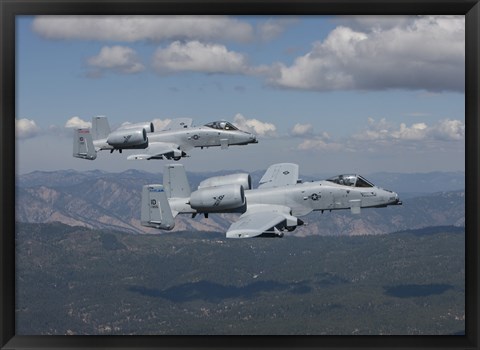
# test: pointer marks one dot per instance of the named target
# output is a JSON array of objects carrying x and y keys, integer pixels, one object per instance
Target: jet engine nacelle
[
  {"x": 125, "y": 139},
  {"x": 147, "y": 126},
  {"x": 243, "y": 180},
  {"x": 218, "y": 198}
]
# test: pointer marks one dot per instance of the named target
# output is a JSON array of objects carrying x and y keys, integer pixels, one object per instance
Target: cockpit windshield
[
  {"x": 221, "y": 125},
  {"x": 351, "y": 180}
]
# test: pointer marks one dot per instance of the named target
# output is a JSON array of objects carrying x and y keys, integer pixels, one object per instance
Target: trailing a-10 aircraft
[
  {"x": 172, "y": 142},
  {"x": 266, "y": 211}
]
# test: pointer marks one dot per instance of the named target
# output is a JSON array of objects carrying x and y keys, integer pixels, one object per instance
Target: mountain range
[{"x": 99, "y": 199}]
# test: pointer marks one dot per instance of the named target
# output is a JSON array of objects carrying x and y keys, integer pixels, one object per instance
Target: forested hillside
[{"x": 73, "y": 280}]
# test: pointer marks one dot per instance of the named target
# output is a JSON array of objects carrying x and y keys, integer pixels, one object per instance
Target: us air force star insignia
[
  {"x": 286, "y": 172},
  {"x": 314, "y": 197}
]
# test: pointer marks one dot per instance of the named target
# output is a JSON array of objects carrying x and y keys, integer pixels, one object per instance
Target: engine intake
[
  {"x": 242, "y": 179},
  {"x": 128, "y": 139},
  {"x": 218, "y": 198}
]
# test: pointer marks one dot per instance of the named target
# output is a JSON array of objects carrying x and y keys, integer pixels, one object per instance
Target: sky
[{"x": 335, "y": 94}]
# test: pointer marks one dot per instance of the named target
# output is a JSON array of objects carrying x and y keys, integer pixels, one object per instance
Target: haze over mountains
[{"x": 98, "y": 199}]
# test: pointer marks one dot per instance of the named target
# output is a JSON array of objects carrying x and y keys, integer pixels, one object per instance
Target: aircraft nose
[
  {"x": 397, "y": 200},
  {"x": 249, "y": 137}
]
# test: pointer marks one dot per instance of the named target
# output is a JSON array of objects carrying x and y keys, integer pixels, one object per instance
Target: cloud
[
  {"x": 160, "y": 124},
  {"x": 255, "y": 126},
  {"x": 301, "y": 129},
  {"x": 141, "y": 28},
  {"x": 418, "y": 114},
  {"x": 423, "y": 53},
  {"x": 363, "y": 53},
  {"x": 198, "y": 57},
  {"x": 376, "y": 131},
  {"x": 319, "y": 144},
  {"x": 417, "y": 131},
  {"x": 314, "y": 141},
  {"x": 448, "y": 130},
  {"x": 444, "y": 130},
  {"x": 26, "y": 128},
  {"x": 380, "y": 134},
  {"x": 375, "y": 23},
  {"x": 77, "y": 123},
  {"x": 117, "y": 58},
  {"x": 273, "y": 27}
]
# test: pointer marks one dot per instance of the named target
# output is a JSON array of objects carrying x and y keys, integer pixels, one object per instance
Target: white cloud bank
[
  {"x": 443, "y": 130},
  {"x": 198, "y": 57},
  {"x": 425, "y": 53},
  {"x": 118, "y": 58},
  {"x": 141, "y": 28},
  {"x": 26, "y": 128},
  {"x": 255, "y": 126},
  {"x": 363, "y": 53},
  {"x": 274, "y": 27},
  {"x": 301, "y": 129},
  {"x": 160, "y": 124},
  {"x": 380, "y": 134},
  {"x": 77, "y": 123}
]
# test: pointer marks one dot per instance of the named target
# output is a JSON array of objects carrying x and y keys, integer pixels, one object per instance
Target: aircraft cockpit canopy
[
  {"x": 221, "y": 125},
  {"x": 351, "y": 180}
]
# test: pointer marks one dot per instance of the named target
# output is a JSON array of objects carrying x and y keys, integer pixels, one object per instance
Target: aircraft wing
[
  {"x": 258, "y": 219},
  {"x": 157, "y": 150},
  {"x": 281, "y": 174},
  {"x": 178, "y": 124}
]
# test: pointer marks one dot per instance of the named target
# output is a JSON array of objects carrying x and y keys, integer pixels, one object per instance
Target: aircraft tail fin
[
  {"x": 100, "y": 128},
  {"x": 175, "y": 181},
  {"x": 156, "y": 211},
  {"x": 83, "y": 144}
]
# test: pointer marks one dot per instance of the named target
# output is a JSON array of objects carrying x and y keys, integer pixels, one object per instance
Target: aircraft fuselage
[
  {"x": 202, "y": 136},
  {"x": 304, "y": 198},
  {"x": 192, "y": 137}
]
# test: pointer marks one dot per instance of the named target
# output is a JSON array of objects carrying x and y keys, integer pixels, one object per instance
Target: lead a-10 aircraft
[
  {"x": 172, "y": 142},
  {"x": 266, "y": 211}
]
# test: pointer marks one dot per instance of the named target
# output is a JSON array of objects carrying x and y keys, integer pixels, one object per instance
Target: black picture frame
[{"x": 9, "y": 9}]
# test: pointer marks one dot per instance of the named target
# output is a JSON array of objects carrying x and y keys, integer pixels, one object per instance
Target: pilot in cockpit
[{"x": 223, "y": 125}]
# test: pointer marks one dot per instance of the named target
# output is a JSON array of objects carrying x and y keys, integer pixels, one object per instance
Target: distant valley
[{"x": 102, "y": 200}]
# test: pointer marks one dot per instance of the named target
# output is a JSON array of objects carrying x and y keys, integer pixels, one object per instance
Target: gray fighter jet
[
  {"x": 266, "y": 211},
  {"x": 178, "y": 137}
]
